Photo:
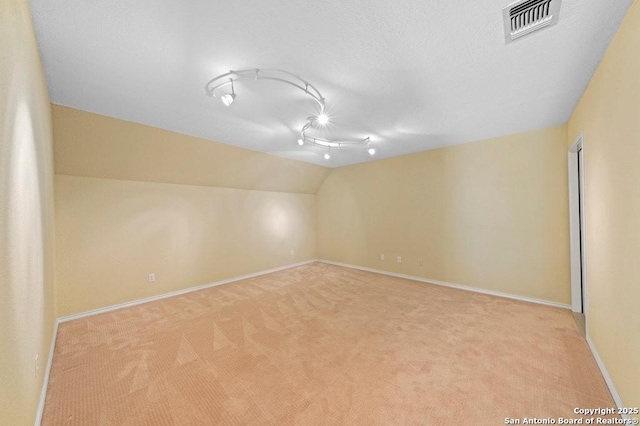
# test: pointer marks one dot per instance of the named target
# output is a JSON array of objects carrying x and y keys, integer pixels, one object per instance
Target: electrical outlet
[
  {"x": 420, "y": 262},
  {"x": 293, "y": 252},
  {"x": 152, "y": 278},
  {"x": 381, "y": 256},
  {"x": 37, "y": 367},
  {"x": 399, "y": 259}
]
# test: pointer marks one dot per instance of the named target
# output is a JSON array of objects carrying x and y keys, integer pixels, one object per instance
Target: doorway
[{"x": 579, "y": 294}]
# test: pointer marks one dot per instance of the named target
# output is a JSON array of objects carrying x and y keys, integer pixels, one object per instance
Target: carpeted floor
[{"x": 322, "y": 344}]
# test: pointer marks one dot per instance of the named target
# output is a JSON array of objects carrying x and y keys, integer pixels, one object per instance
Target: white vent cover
[{"x": 526, "y": 16}]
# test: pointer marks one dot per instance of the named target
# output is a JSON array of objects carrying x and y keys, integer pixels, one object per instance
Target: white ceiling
[{"x": 413, "y": 75}]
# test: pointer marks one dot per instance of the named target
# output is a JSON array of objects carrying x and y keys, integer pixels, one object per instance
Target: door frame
[{"x": 577, "y": 228}]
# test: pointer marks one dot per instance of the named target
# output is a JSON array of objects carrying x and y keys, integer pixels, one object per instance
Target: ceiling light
[
  {"x": 229, "y": 97},
  {"x": 290, "y": 79},
  {"x": 370, "y": 149},
  {"x": 323, "y": 119}
]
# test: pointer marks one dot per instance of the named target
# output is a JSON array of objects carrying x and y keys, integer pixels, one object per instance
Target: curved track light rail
[
  {"x": 266, "y": 74},
  {"x": 227, "y": 79}
]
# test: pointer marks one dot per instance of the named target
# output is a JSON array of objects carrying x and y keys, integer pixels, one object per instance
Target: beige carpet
[{"x": 322, "y": 344}]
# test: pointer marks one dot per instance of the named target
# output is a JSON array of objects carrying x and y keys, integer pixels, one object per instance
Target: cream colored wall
[
  {"x": 111, "y": 234},
  {"x": 27, "y": 309},
  {"x": 609, "y": 116},
  {"x": 491, "y": 214},
  {"x": 93, "y": 145},
  {"x": 133, "y": 200}
]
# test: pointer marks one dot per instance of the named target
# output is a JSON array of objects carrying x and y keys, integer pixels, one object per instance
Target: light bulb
[
  {"x": 300, "y": 142},
  {"x": 327, "y": 156},
  {"x": 228, "y": 98},
  {"x": 371, "y": 151},
  {"x": 323, "y": 119}
]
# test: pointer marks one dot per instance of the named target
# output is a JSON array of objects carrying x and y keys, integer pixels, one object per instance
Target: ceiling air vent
[{"x": 526, "y": 16}]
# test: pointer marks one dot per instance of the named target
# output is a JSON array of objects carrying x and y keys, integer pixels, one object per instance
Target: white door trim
[{"x": 577, "y": 220}]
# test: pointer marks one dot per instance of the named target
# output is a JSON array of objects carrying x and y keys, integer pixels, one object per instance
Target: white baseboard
[
  {"x": 607, "y": 378},
  {"x": 178, "y": 292},
  {"x": 451, "y": 285},
  {"x": 45, "y": 382}
]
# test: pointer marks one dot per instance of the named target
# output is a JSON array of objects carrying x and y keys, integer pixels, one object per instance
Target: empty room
[{"x": 319, "y": 212}]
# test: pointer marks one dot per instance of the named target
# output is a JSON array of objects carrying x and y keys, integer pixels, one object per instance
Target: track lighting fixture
[
  {"x": 323, "y": 119},
  {"x": 319, "y": 119},
  {"x": 371, "y": 150},
  {"x": 229, "y": 97}
]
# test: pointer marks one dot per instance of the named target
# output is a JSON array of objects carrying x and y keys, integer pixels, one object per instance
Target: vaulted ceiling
[{"x": 411, "y": 75}]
